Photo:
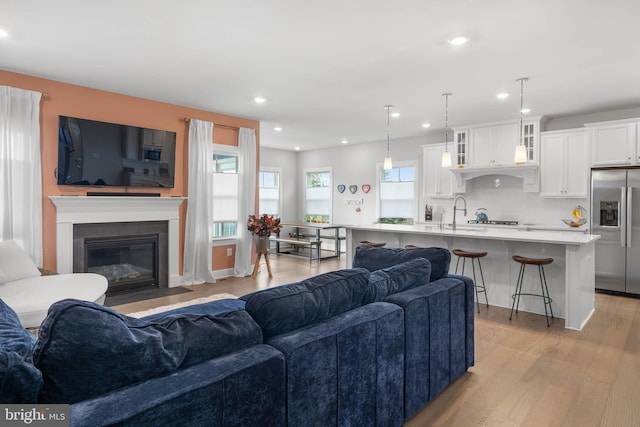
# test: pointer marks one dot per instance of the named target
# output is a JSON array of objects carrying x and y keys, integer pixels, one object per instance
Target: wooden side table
[{"x": 257, "y": 265}]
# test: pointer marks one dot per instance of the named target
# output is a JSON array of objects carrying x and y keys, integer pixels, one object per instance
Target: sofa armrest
[
  {"x": 347, "y": 370},
  {"x": 242, "y": 388},
  {"x": 436, "y": 338},
  {"x": 469, "y": 314}
]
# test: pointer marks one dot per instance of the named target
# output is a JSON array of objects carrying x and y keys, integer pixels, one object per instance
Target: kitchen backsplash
[{"x": 504, "y": 199}]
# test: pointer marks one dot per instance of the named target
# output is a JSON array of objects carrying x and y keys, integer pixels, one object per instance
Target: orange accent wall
[
  {"x": 223, "y": 261},
  {"x": 83, "y": 102}
]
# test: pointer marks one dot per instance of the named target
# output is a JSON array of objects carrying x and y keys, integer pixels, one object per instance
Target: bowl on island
[{"x": 575, "y": 222}]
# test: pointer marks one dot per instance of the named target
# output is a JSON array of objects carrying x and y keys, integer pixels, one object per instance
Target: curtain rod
[{"x": 187, "y": 120}]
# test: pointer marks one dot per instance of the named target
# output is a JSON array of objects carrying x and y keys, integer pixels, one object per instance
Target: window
[
  {"x": 225, "y": 193},
  {"x": 397, "y": 195},
  {"x": 318, "y": 195},
  {"x": 269, "y": 189}
]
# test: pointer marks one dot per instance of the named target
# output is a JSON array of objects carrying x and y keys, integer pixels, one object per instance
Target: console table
[{"x": 320, "y": 231}]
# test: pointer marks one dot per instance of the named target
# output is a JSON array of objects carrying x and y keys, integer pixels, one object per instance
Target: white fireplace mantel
[{"x": 72, "y": 210}]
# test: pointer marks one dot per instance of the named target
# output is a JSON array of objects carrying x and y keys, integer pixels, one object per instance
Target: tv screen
[{"x": 100, "y": 154}]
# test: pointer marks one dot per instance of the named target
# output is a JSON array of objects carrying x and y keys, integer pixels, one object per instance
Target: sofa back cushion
[
  {"x": 288, "y": 307},
  {"x": 85, "y": 349},
  {"x": 20, "y": 381},
  {"x": 378, "y": 258},
  {"x": 400, "y": 277}
]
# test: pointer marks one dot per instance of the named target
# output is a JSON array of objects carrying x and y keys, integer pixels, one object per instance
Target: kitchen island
[{"x": 571, "y": 277}]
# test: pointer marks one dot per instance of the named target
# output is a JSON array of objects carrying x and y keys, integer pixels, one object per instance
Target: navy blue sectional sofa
[{"x": 366, "y": 346}]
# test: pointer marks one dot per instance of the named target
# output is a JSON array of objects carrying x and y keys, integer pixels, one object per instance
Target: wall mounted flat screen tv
[{"x": 100, "y": 154}]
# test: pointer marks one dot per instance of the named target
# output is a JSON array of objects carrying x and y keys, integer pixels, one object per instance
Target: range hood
[{"x": 528, "y": 174}]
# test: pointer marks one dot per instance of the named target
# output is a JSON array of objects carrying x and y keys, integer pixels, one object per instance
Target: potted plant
[{"x": 262, "y": 227}]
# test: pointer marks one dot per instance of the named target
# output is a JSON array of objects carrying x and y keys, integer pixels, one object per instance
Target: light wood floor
[{"x": 525, "y": 374}]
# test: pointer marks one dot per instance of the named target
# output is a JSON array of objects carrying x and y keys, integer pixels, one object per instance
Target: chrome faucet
[{"x": 455, "y": 208}]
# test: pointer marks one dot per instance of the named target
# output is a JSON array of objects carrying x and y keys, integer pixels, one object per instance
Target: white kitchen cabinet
[
  {"x": 438, "y": 182},
  {"x": 494, "y": 144},
  {"x": 564, "y": 163},
  {"x": 615, "y": 143}
]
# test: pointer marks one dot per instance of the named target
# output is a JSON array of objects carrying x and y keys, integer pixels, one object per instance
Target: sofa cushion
[
  {"x": 15, "y": 263},
  {"x": 285, "y": 308},
  {"x": 378, "y": 258},
  {"x": 13, "y": 336},
  {"x": 401, "y": 277},
  {"x": 211, "y": 308},
  {"x": 20, "y": 381},
  {"x": 85, "y": 349}
]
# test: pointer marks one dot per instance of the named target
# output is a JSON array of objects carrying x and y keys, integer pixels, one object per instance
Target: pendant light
[
  {"x": 446, "y": 156},
  {"x": 387, "y": 160},
  {"x": 521, "y": 151}
]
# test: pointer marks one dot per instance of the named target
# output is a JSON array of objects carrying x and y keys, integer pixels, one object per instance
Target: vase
[{"x": 262, "y": 243}]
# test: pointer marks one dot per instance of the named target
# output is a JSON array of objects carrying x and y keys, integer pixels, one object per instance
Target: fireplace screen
[
  {"x": 126, "y": 262},
  {"x": 131, "y": 255}
]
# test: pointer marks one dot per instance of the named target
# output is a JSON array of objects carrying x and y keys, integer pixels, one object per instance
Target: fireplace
[
  {"x": 76, "y": 215},
  {"x": 131, "y": 255}
]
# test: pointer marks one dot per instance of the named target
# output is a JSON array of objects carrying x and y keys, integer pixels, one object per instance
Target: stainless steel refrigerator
[{"x": 615, "y": 215}]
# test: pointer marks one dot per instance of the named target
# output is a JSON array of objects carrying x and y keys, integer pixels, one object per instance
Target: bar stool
[
  {"x": 372, "y": 244},
  {"x": 473, "y": 256},
  {"x": 546, "y": 298}
]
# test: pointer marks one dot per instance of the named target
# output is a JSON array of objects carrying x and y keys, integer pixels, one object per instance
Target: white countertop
[{"x": 475, "y": 231}]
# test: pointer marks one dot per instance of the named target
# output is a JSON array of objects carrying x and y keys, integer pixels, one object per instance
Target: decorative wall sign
[
  {"x": 366, "y": 188},
  {"x": 353, "y": 188},
  {"x": 341, "y": 188}
]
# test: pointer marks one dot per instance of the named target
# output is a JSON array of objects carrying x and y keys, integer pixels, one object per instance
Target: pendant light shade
[
  {"x": 521, "y": 155},
  {"x": 387, "y": 164},
  {"x": 446, "y": 156},
  {"x": 446, "y": 159},
  {"x": 387, "y": 160},
  {"x": 521, "y": 151}
]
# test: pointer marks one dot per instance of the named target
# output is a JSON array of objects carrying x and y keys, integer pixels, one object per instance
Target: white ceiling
[{"x": 328, "y": 67}]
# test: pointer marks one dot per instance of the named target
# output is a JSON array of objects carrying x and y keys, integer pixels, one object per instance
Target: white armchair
[{"x": 30, "y": 294}]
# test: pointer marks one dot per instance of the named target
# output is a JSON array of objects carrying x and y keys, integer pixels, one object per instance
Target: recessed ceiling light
[
  {"x": 3, "y": 33},
  {"x": 344, "y": 141},
  {"x": 502, "y": 95},
  {"x": 394, "y": 115},
  {"x": 277, "y": 128},
  {"x": 259, "y": 100},
  {"x": 526, "y": 110},
  {"x": 296, "y": 148},
  {"x": 426, "y": 125},
  {"x": 458, "y": 41}
]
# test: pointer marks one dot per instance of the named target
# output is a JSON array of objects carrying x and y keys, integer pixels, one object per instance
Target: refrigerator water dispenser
[{"x": 609, "y": 214}]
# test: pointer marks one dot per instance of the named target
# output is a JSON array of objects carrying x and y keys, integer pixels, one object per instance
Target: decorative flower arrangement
[{"x": 263, "y": 225}]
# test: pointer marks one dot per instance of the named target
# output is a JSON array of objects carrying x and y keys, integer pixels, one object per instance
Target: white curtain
[
  {"x": 198, "y": 232},
  {"x": 246, "y": 199},
  {"x": 21, "y": 170}
]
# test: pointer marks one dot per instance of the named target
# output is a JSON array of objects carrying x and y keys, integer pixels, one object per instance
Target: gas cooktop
[{"x": 493, "y": 222}]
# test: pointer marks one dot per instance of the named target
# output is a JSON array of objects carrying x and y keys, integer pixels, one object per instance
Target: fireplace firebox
[{"x": 131, "y": 255}]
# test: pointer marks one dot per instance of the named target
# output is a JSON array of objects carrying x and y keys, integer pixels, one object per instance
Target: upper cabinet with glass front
[{"x": 494, "y": 144}]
